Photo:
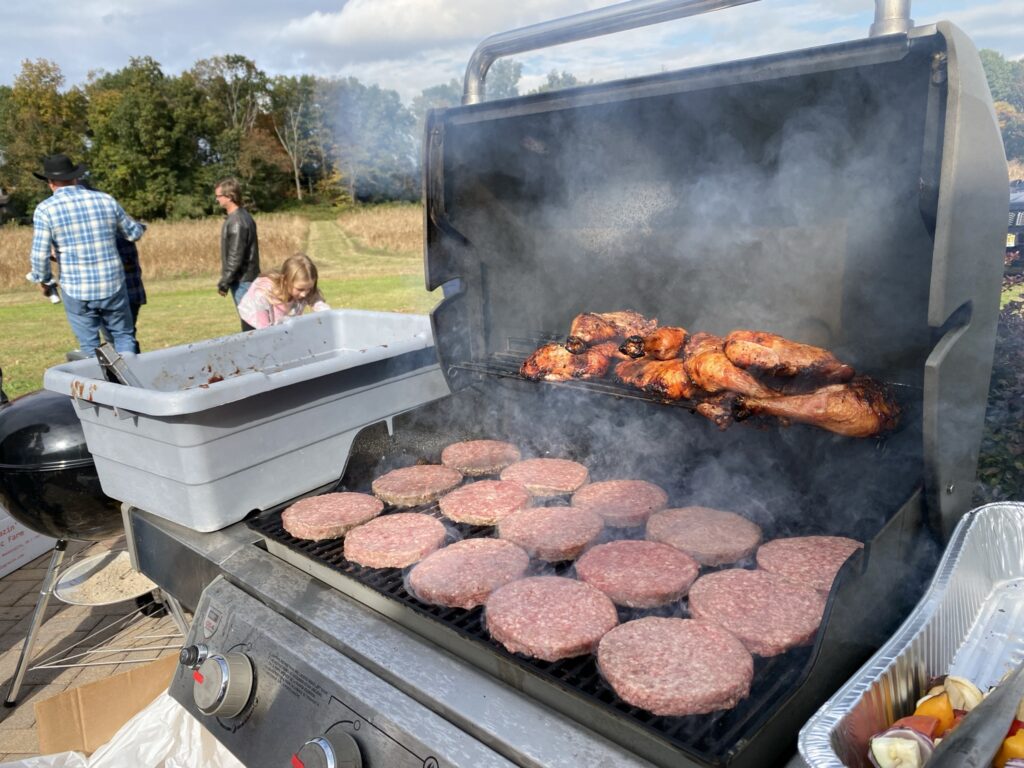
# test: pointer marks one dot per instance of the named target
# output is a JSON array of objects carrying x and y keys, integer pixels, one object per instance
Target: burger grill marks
[{"x": 748, "y": 373}]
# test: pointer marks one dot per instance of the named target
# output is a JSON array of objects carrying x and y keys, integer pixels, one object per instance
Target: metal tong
[
  {"x": 974, "y": 742},
  {"x": 115, "y": 369}
]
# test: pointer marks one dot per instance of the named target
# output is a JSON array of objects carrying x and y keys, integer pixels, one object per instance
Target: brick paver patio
[{"x": 124, "y": 637}]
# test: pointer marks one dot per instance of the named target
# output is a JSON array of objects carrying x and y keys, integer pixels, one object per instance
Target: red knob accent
[
  {"x": 197, "y": 676},
  {"x": 296, "y": 763}
]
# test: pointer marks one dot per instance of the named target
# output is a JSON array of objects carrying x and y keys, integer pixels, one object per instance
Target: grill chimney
[{"x": 891, "y": 17}]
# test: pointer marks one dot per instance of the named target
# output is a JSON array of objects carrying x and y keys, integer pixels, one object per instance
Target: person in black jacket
[{"x": 239, "y": 245}]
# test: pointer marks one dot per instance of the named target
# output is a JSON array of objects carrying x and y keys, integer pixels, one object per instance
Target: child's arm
[{"x": 316, "y": 300}]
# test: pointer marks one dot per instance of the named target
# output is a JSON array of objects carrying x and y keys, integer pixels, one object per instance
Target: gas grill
[{"x": 849, "y": 196}]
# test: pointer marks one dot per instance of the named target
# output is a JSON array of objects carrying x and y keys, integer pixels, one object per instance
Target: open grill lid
[{"x": 849, "y": 196}]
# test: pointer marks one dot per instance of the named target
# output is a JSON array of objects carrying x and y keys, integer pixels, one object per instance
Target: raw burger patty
[
  {"x": 810, "y": 560},
  {"x": 622, "y": 503},
  {"x": 638, "y": 574},
  {"x": 394, "y": 541},
  {"x": 547, "y": 477},
  {"x": 410, "y": 486},
  {"x": 330, "y": 515},
  {"x": 710, "y": 536},
  {"x": 768, "y": 614},
  {"x": 675, "y": 666},
  {"x": 548, "y": 617},
  {"x": 479, "y": 457},
  {"x": 484, "y": 502},
  {"x": 463, "y": 574},
  {"x": 551, "y": 533}
]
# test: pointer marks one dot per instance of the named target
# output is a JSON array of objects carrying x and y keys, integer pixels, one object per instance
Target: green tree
[
  {"x": 556, "y": 81},
  {"x": 295, "y": 117},
  {"x": 39, "y": 119},
  {"x": 141, "y": 151},
  {"x": 236, "y": 92},
  {"x": 1011, "y": 125},
  {"x": 502, "y": 80},
  {"x": 371, "y": 140},
  {"x": 1005, "y": 78}
]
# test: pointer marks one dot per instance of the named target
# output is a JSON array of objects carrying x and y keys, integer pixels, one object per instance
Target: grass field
[{"x": 368, "y": 259}]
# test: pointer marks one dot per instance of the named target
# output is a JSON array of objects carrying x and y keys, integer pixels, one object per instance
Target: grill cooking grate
[
  {"x": 576, "y": 684},
  {"x": 505, "y": 365}
]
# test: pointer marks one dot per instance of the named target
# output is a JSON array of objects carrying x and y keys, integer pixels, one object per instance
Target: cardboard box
[
  {"x": 85, "y": 718},
  {"x": 19, "y": 545}
]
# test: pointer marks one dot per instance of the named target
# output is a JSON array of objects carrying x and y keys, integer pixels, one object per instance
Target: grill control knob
[
  {"x": 331, "y": 750},
  {"x": 192, "y": 656},
  {"x": 223, "y": 684}
]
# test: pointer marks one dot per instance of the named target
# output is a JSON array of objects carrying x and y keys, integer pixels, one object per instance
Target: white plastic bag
[{"x": 163, "y": 735}]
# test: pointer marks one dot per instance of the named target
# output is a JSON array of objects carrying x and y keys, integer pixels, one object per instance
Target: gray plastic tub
[
  {"x": 230, "y": 425},
  {"x": 968, "y": 623}
]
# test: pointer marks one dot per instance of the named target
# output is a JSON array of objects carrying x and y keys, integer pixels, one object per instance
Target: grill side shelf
[{"x": 573, "y": 686}]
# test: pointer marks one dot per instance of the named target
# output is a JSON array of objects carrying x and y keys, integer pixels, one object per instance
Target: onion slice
[{"x": 899, "y": 748}]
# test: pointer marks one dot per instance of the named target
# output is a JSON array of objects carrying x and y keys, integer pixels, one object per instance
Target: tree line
[{"x": 159, "y": 142}]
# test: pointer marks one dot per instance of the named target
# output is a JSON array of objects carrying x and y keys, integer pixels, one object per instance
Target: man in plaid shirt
[{"x": 82, "y": 226}]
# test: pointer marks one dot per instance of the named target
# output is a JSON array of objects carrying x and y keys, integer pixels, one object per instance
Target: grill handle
[{"x": 579, "y": 26}]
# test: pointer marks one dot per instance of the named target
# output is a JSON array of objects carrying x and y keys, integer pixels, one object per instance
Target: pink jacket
[{"x": 258, "y": 309}]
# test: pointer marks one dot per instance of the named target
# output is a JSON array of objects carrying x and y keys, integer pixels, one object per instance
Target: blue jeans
[
  {"x": 237, "y": 292},
  {"x": 112, "y": 313}
]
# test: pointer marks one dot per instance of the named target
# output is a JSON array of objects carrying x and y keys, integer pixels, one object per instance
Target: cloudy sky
[{"x": 409, "y": 45}]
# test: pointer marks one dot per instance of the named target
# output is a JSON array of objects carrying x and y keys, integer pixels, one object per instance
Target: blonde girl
[{"x": 281, "y": 294}]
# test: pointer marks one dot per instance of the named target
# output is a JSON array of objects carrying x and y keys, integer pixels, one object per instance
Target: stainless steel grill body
[{"x": 850, "y": 196}]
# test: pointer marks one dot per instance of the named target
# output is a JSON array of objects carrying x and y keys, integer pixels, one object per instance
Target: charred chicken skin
[
  {"x": 859, "y": 408},
  {"x": 553, "y": 362},
  {"x": 664, "y": 378},
  {"x": 720, "y": 409},
  {"x": 660, "y": 344},
  {"x": 592, "y": 328},
  {"x": 710, "y": 369},
  {"x": 767, "y": 353}
]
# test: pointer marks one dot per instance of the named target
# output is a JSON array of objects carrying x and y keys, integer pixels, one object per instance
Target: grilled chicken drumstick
[
  {"x": 767, "y": 353},
  {"x": 859, "y": 408},
  {"x": 553, "y": 362},
  {"x": 712, "y": 371},
  {"x": 665, "y": 378},
  {"x": 661, "y": 344},
  {"x": 593, "y": 328}
]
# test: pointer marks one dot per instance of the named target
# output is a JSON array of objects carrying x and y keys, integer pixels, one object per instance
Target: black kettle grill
[{"x": 48, "y": 483}]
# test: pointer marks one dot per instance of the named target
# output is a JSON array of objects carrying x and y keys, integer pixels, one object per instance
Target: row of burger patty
[{"x": 668, "y": 666}]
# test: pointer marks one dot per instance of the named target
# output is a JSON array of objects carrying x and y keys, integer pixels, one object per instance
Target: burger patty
[
  {"x": 485, "y": 502},
  {"x": 549, "y": 617},
  {"x": 622, "y": 503},
  {"x": 463, "y": 574},
  {"x": 394, "y": 541},
  {"x": 768, "y": 614},
  {"x": 675, "y": 667},
  {"x": 551, "y": 533},
  {"x": 812, "y": 561},
  {"x": 479, "y": 457},
  {"x": 330, "y": 515},
  {"x": 547, "y": 477},
  {"x": 419, "y": 484},
  {"x": 710, "y": 536},
  {"x": 638, "y": 574}
]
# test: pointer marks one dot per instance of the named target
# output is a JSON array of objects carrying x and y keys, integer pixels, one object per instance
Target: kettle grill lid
[{"x": 40, "y": 430}]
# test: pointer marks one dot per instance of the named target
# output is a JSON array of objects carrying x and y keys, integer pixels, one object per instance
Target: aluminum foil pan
[{"x": 964, "y": 625}]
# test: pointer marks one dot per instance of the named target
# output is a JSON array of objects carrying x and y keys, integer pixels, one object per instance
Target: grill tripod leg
[{"x": 45, "y": 591}]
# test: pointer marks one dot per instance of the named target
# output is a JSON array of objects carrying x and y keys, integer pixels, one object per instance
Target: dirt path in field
[
  {"x": 330, "y": 248},
  {"x": 339, "y": 255}
]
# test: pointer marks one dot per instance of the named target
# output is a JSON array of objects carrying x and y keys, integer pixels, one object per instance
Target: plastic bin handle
[{"x": 579, "y": 26}]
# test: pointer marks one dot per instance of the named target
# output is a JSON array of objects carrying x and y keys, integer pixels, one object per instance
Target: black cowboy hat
[{"x": 59, "y": 168}]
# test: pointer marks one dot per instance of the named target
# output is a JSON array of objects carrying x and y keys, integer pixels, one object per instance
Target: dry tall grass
[
  {"x": 393, "y": 228},
  {"x": 170, "y": 249},
  {"x": 1016, "y": 170}
]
